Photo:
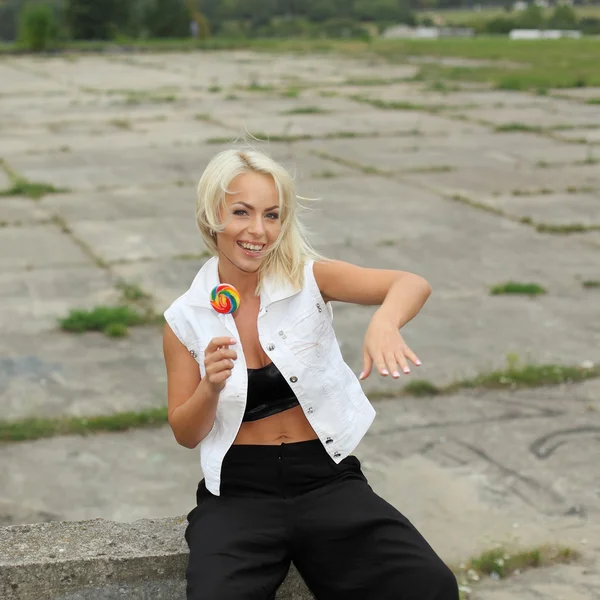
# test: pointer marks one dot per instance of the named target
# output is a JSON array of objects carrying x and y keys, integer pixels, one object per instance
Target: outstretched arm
[{"x": 400, "y": 294}]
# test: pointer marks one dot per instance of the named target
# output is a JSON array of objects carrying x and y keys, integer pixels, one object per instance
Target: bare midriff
[{"x": 285, "y": 427}]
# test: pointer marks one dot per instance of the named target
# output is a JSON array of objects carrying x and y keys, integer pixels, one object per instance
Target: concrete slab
[
  {"x": 557, "y": 209},
  {"x": 163, "y": 277},
  {"x": 370, "y": 122},
  {"x": 35, "y": 246},
  {"x": 463, "y": 147},
  {"x": 534, "y": 116},
  {"x": 125, "y": 203},
  {"x": 505, "y": 179},
  {"x": 101, "y": 168},
  {"x": 101, "y": 72},
  {"x": 586, "y": 93},
  {"x": 591, "y": 136},
  {"x": 140, "y": 238},
  {"x": 23, "y": 81},
  {"x": 34, "y": 300},
  {"x": 54, "y": 373}
]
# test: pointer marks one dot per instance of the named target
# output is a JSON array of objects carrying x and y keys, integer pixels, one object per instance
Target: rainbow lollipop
[{"x": 225, "y": 299}]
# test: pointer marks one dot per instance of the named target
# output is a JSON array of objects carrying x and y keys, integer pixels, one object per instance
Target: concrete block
[
  {"x": 36, "y": 246},
  {"x": 99, "y": 559}
]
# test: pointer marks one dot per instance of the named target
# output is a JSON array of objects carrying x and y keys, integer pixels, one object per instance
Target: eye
[
  {"x": 273, "y": 216},
  {"x": 239, "y": 212}
]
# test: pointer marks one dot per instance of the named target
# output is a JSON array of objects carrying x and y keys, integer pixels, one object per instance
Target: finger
[
  {"x": 412, "y": 357},
  {"x": 380, "y": 365},
  {"x": 219, "y": 342},
  {"x": 220, "y": 354},
  {"x": 392, "y": 364},
  {"x": 367, "y": 366},
  {"x": 223, "y": 375},
  {"x": 222, "y": 365},
  {"x": 403, "y": 363}
]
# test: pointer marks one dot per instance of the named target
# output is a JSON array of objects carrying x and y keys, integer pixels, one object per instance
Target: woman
[{"x": 266, "y": 394}]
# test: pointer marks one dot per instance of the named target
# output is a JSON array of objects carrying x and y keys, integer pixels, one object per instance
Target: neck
[{"x": 244, "y": 282}]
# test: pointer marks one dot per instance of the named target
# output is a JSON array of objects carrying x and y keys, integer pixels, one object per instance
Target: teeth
[{"x": 251, "y": 247}]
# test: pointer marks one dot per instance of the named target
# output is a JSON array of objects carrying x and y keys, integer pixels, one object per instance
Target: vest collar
[{"x": 208, "y": 278}]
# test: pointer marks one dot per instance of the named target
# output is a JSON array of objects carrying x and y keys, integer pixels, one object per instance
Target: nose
[{"x": 256, "y": 226}]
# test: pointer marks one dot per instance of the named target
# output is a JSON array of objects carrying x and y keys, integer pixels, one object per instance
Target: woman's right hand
[{"x": 218, "y": 362}]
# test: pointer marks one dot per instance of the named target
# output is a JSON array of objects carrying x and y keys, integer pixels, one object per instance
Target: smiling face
[{"x": 252, "y": 221}]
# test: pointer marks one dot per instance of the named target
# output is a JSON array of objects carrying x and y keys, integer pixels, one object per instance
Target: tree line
[
  {"x": 106, "y": 19},
  {"x": 41, "y": 23}
]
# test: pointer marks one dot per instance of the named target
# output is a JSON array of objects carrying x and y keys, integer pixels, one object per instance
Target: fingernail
[
  {"x": 418, "y": 363},
  {"x": 232, "y": 341},
  {"x": 362, "y": 374},
  {"x": 384, "y": 372},
  {"x": 406, "y": 371},
  {"x": 396, "y": 374}
]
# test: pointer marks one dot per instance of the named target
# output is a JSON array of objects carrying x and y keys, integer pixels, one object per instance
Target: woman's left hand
[{"x": 385, "y": 347}]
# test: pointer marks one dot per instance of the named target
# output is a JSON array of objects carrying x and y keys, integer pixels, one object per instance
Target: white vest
[{"x": 295, "y": 330}]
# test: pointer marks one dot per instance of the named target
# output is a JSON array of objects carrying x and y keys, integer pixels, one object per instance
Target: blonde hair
[{"x": 285, "y": 259}]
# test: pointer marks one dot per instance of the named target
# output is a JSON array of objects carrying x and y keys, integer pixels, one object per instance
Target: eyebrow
[{"x": 252, "y": 208}]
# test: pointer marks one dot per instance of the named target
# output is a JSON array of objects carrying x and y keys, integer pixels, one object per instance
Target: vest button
[
  {"x": 337, "y": 455},
  {"x": 329, "y": 441},
  {"x": 293, "y": 379},
  {"x": 310, "y": 410},
  {"x": 271, "y": 347}
]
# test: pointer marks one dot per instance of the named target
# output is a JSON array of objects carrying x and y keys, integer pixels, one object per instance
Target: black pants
[{"x": 293, "y": 503}]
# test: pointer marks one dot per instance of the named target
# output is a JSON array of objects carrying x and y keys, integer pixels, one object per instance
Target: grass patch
[
  {"x": 132, "y": 292},
  {"x": 395, "y": 105},
  {"x": 202, "y": 117},
  {"x": 527, "y": 376},
  {"x": 204, "y": 254},
  {"x": 479, "y": 205},
  {"x": 33, "y": 190},
  {"x": 500, "y": 563},
  {"x": 33, "y": 429},
  {"x": 291, "y": 92},
  {"x": 566, "y": 229},
  {"x": 433, "y": 169},
  {"x": 421, "y": 388},
  {"x": 133, "y": 98},
  {"x": 591, "y": 283},
  {"x": 371, "y": 81},
  {"x": 101, "y": 318},
  {"x": 514, "y": 376},
  {"x": 259, "y": 87},
  {"x": 533, "y": 192},
  {"x": 305, "y": 110},
  {"x": 518, "y": 127},
  {"x": 326, "y": 174},
  {"x": 593, "y": 101},
  {"x": 121, "y": 123},
  {"x": 513, "y": 287},
  {"x": 135, "y": 309}
]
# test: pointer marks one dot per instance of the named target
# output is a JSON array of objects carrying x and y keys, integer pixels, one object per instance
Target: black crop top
[{"x": 268, "y": 393}]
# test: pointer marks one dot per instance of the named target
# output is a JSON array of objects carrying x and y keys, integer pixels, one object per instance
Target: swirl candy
[{"x": 225, "y": 299}]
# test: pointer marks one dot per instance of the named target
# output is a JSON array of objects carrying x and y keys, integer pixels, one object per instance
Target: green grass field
[{"x": 465, "y": 15}]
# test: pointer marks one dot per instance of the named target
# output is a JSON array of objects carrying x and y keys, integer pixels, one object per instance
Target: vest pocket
[{"x": 310, "y": 338}]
